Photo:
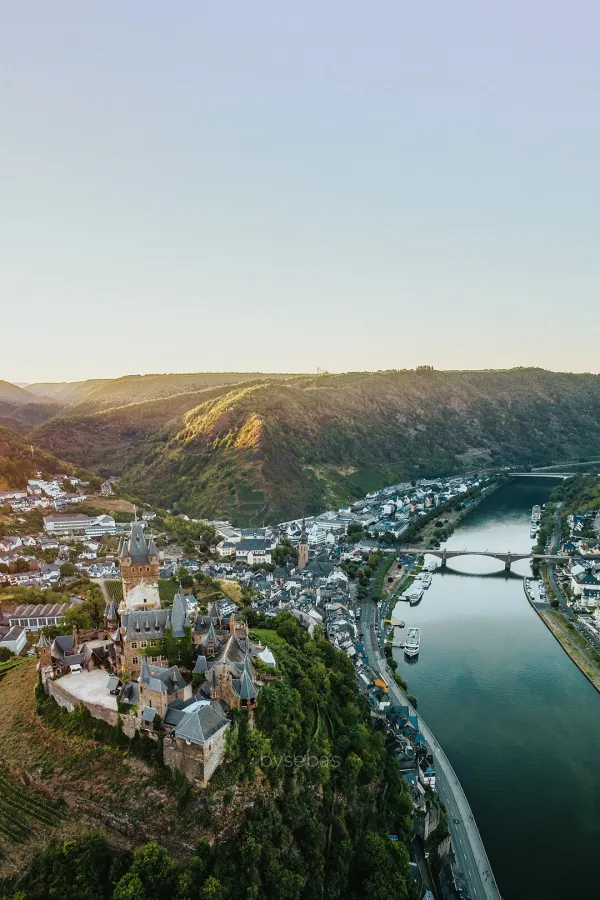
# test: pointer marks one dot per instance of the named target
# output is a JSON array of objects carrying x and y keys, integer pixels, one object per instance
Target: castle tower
[
  {"x": 111, "y": 618},
  {"x": 303, "y": 548},
  {"x": 138, "y": 562},
  {"x": 43, "y": 650}
]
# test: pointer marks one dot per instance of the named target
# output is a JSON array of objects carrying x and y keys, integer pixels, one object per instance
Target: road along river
[{"x": 518, "y": 721}]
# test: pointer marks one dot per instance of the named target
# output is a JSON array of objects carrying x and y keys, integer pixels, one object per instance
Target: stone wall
[
  {"x": 214, "y": 752},
  {"x": 69, "y": 702},
  {"x": 187, "y": 758},
  {"x": 62, "y": 697}
]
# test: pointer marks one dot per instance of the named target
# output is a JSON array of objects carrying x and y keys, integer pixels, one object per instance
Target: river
[{"x": 518, "y": 721}]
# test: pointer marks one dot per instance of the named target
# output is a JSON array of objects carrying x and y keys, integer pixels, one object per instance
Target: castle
[
  {"x": 143, "y": 692},
  {"x": 138, "y": 561}
]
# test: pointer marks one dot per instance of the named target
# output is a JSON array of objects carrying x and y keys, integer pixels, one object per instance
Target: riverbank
[
  {"x": 432, "y": 534},
  {"x": 492, "y": 682},
  {"x": 569, "y": 642}
]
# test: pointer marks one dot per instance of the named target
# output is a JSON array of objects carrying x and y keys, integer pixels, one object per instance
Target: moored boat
[{"x": 412, "y": 643}]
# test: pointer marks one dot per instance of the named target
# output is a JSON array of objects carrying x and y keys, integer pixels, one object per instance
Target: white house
[
  {"x": 77, "y": 523},
  {"x": 253, "y": 551},
  {"x": 15, "y": 639},
  {"x": 226, "y": 548}
]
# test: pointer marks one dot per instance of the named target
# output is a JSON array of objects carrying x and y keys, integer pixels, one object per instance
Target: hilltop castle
[{"x": 141, "y": 691}]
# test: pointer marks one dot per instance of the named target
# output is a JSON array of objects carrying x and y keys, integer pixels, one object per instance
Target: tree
[
  {"x": 155, "y": 870},
  {"x": 67, "y": 569},
  {"x": 5, "y": 654},
  {"x": 355, "y": 530},
  {"x": 130, "y": 887},
  {"x": 21, "y": 565}
]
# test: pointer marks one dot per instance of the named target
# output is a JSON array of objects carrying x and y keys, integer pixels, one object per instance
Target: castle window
[
  {"x": 142, "y": 644},
  {"x": 135, "y": 660},
  {"x": 153, "y": 643},
  {"x": 155, "y": 659},
  {"x": 134, "y": 645}
]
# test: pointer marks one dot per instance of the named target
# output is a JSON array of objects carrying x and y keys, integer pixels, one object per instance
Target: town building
[
  {"x": 78, "y": 523},
  {"x": 33, "y": 616},
  {"x": 14, "y": 639}
]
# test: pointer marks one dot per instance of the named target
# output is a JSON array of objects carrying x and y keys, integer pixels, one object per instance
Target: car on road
[{"x": 456, "y": 821}]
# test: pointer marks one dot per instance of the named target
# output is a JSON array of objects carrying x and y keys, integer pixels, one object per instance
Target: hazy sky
[{"x": 277, "y": 186}]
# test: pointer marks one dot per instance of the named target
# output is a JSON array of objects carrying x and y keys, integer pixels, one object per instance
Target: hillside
[
  {"x": 19, "y": 461},
  {"x": 277, "y": 450},
  {"x": 65, "y": 391},
  {"x": 12, "y": 394},
  {"x": 95, "y": 396},
  {"x": 22, "y": 409},
  {"x": 264, "y": 828}
]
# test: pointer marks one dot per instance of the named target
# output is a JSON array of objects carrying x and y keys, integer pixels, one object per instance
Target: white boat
[
  {"x": 426, "y": 581},
  {"x": 412, "y": 642},
  {"x": 415, "y": 595},
  {"x": 430, "y": 567}
]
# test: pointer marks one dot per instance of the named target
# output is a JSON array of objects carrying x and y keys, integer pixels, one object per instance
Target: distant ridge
[{"x": 275, "y": 448}]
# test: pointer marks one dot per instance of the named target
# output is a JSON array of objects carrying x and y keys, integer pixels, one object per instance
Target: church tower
[
  {"x": 303, "y": 548},
  {"x": 138, "y": 561}
]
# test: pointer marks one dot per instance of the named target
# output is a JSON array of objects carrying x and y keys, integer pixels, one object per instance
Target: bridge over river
[{"x": 504, "y": 556}]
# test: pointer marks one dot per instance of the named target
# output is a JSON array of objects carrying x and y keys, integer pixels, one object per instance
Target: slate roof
[
  {"x": 211, "y": 637},
  {"x": 146, "y": 624},
  {"x": 136, "y": 547},
  {"x": 148, "y": 714},
  {"x": 163, "y": 681},
  {"x": 110, "y": 613},
  {"x": 200, "y": 722},
  {"x": 319, "y": 566},
  {"x": 130, "y": 693},
  {"x": 201, "y": 666},
  {"x": 179, "y": 613},
  {"x": 246, "y": 689},
  {"x": 253, "y": 544},
  {"x": 63, "y": 643}
]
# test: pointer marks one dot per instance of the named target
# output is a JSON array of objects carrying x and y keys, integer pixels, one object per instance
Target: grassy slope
[
  {"x": 101, "y": 787},
  {"x": 313, "y": 442}
]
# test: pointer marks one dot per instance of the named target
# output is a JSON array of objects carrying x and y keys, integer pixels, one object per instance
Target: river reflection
[{"x": 519, "y": 722}]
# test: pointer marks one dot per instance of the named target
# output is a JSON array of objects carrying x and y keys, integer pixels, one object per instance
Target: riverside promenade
[{"x": 467, "y": 843}]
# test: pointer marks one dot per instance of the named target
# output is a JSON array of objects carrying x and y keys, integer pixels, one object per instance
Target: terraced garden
[
  {"x": 11, "y": 664},
  {"x": 22, "y": 812},
  {"x": 114, "y": 589}
]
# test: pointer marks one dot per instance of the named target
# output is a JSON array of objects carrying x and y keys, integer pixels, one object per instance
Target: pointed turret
[
  {"x": 43, "y": 641},
  {"x": 110, "y": 614},
  {"x": 179, "y": 613},
  {"x": 248, "y": 691},
  {"x": 152, "y": 551},
  {"x": 212, "y": 642},
  {"x": 144, "y": 672}
]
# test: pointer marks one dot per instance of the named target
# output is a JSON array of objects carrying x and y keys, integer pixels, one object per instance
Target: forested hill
[
  {"x": 19, "y": 460},
  {"x": 278, "y": 449},
  {"x": 302, "y": 808}
]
